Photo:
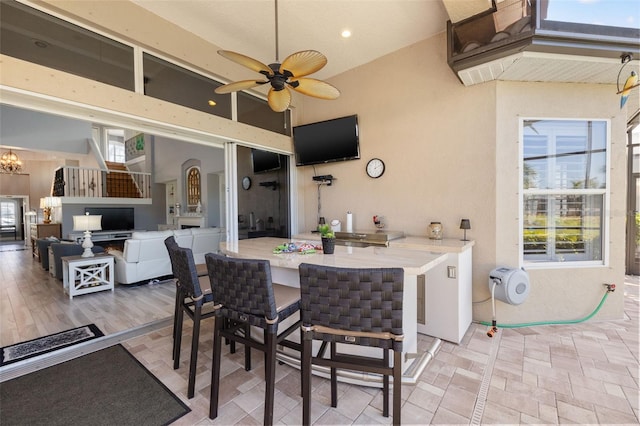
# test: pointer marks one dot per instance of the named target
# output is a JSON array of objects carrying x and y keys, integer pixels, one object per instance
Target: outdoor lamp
[{"x": 465, "y": 224}]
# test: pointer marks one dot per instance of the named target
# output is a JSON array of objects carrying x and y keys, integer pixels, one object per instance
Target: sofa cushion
[
  {"x": 138, "y": 235},
  {"x": 61, "y": 250},
  {"x": 205, "y": 240},
  {"x": 183, "y": 237},
  {"x": 135, "y": 247},
  {"x": 42, "y": 245},
  {"x": 200, "y": 231},
  {"x": 43, "y": 249}
]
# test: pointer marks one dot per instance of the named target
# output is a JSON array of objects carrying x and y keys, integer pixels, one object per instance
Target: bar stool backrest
[
  {"x": 366, "y": 303},
  {"x": 244, "y": 290},
  {"x": 184, "y": 270}
]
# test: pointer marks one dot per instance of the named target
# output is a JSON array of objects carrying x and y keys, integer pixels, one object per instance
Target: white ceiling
[{"x": 378, "y": 27}]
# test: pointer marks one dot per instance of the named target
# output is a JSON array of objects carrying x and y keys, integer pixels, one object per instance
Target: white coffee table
[{"x": 82, "y": 275}]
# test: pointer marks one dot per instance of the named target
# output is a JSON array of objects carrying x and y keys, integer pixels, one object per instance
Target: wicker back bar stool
[
  {"x": 352, "y": 306},
  {"x": 192, "y": 293},
  {"x": 245, "y": 296},
  {"x": 201, "y": 270}
]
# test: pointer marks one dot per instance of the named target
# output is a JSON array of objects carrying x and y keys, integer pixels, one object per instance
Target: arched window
[{"x": 193, "y": 187}]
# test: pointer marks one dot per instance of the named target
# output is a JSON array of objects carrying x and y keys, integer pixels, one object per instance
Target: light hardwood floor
[
  {"x": 581, "y": 373},
  {"x": 33, "y": 303}
]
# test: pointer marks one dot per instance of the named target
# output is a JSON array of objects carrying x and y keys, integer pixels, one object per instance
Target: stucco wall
[
  {"x": 559, "y": 293},
  {"x": 450, "y": 150},
  {"x": 437, "y": 139}
]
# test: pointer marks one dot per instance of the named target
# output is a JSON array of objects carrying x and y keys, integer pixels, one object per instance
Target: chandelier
[{"x": 10, "y": 163}]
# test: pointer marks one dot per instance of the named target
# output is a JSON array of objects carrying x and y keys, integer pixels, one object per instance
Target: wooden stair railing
[
  {"x": 116, "y": 182},
  {"x": 58, "y": 183}
]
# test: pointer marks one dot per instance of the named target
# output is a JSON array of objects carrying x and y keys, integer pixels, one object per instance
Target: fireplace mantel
[{"x": 190, "y": 221}]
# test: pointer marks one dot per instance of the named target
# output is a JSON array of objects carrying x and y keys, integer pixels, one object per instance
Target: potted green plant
[{"x": 328, "y": 238}]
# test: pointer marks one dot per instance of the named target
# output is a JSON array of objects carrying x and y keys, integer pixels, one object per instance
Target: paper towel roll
[{"x": 349, "y": 222}]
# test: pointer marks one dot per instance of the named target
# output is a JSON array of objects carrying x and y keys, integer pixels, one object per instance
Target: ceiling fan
[{"x": 290, "y": 73}]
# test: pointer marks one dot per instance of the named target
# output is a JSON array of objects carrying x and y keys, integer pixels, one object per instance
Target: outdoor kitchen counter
[
  {"x": 284, "y": 270},
  {"x": 413, "y": 262},
  {"x": 447, "y": 245},
  {"x": 444, "y": 302}
]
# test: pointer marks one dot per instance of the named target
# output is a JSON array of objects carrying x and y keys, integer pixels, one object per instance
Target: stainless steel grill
[{"x": 365, "y": 239}]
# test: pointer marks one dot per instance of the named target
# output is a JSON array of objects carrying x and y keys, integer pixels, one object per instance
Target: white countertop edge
[
  {"x": 414, "y": 262},
  {"x": 411, "y": 242}
]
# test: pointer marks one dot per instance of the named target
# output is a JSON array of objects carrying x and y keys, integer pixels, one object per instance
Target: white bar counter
[
  {"x": 284, "y": 270},
  {"x": 414, "y": 262},
  {"x": 445, "y": 308},
  {"x": 447, "y": 245},
  {"x": 444, "y": 302}
]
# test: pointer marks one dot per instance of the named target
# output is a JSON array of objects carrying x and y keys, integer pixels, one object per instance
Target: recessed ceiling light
[
  {"x": 41, "y": 43},
  {"x": 346, "y": 33}
]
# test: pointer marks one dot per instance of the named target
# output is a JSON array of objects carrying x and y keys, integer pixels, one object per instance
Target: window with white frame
[
  {"x": 115, "y": 145},
  {"x": 564, "y": 190},
  {"x": 8, "y": 212}
]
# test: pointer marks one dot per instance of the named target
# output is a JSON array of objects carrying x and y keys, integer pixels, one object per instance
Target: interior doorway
[{"x": 13, "y": 222}]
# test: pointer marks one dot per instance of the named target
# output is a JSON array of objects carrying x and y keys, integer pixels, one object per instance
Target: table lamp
[
  {"x": 87, "y": 223},
  {"x": 465, "y": 224},
  {"x": 46, "y": 204}
]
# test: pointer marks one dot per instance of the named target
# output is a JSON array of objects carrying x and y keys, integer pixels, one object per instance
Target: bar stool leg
[
  {"x": 270, "y": 376},
  {"x": 175, "y": 321},
  {"x": 334, "y": 378},
  {"x": 215, "y": 369},
  {"x": 306, "y": 381},
  {"x": 195, "y": 339},
  {"x": 385, "y": 385},
  {"x": 178, "y": 338},
  {"x": 397, "y": 387},
  {"x": 247, "y": 348}
]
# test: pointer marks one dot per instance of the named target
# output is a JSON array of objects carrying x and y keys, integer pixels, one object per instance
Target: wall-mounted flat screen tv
[
  {"x": 327, "y": 141},
  {"x": 114, "y": 218},
  {"x": 264, "y": 161}
]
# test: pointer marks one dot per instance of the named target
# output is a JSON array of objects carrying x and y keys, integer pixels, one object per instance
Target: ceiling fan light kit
[{"x": 290, "y": 74}]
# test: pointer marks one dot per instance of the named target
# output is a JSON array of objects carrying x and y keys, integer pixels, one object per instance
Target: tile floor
[{"x": 582, "y": 373}]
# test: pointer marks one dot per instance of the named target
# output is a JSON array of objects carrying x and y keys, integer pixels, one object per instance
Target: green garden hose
[{"x": 610, "y": 289}]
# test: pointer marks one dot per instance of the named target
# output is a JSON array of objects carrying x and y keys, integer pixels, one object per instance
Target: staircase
[{"x": 119, "y": 183}]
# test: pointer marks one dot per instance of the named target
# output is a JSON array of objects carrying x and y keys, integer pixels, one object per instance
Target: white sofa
[{"x": 145, "y": 256}]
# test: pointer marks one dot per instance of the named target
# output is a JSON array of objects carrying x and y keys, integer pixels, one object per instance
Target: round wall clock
[
  {"x": 375, "y": 168},
  {"x": 246, "y": 182}
]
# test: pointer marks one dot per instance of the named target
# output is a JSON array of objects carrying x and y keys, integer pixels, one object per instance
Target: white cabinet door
[{"x": 448, "y": 305}]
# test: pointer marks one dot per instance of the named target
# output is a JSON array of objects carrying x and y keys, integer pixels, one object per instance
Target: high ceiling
[{"x": 378, "y": 27}]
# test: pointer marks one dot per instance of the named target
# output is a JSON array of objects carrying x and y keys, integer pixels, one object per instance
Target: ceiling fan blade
[
  {"x": 279, "y": 100},
  {"x": 238, "y": 85},
  {"x": 315, "y": 88},
  {"x": 303, "y": 63},
  {"x": 246, "y": 61}
]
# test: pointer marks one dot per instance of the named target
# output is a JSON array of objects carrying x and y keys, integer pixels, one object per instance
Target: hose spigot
[
  {"x": 610, "y": 288},
  {"x": 493, "y": 329}
]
